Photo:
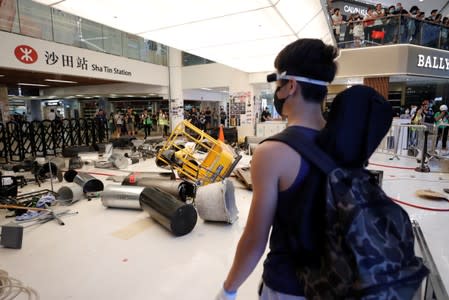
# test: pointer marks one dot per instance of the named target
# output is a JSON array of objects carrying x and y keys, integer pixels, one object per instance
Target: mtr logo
[{"x": 25, "y": 54}]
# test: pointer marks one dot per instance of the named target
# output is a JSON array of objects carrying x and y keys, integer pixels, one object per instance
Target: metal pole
[
  {"x": 51, "y": 175},
  {"x": 424, "y": 167}
]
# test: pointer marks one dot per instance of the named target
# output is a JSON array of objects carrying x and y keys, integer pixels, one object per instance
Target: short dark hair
[{"x": 309, "y": 58}]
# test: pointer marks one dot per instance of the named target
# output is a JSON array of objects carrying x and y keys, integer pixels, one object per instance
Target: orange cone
[{"x": 221, "y": 134}]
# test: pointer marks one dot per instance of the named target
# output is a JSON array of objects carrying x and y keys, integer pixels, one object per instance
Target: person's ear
[{"x": 293, "y": 86}]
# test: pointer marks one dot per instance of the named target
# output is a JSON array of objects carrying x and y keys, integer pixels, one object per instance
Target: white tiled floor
[{"x": 83, "y": 260}]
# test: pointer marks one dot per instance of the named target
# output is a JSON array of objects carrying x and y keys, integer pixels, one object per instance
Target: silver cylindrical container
[
  {"x": 183, "y": 190},
  {"x": 121, "y": 196},
  {"x": 70, "y": 193},
  {"x": 89, "y": 183}
]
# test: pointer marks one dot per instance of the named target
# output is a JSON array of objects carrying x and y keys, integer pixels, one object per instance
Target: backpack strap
[{"x": 293, "y": 137}]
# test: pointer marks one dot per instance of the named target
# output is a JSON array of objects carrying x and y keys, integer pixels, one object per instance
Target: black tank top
[{"x": 279, "y": 269}]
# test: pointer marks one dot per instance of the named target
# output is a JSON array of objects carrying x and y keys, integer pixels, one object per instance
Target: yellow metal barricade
[{"x": 197, "y": 156}]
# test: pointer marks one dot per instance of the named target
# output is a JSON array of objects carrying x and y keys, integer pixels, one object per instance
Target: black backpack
[{"x": 366, "y": 242}]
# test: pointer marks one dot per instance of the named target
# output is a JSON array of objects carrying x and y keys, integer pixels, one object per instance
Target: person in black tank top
[{"x": 304, "y": 69}]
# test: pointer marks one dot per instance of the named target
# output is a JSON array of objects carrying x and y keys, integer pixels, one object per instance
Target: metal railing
[{"x": 20, "y": 140}]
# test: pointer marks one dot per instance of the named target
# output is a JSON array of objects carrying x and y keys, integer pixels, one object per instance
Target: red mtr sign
[{"x": 26, "y": 54}]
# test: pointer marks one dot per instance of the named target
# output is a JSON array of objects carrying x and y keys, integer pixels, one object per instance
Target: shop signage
[
  {"x": 433, "y": 62},
  {"x": 354, "y": 10},
  {"x": 69, "y": 61},
  {"x": 26, "y": 54},
  {"x": 351, "y": 7}
]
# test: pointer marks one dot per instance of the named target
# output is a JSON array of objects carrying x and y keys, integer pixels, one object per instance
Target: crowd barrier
[
  {"x": 422, "y": 142},
  {"x": 20, "y": 140},
  {"x": 404, "y": 140}
]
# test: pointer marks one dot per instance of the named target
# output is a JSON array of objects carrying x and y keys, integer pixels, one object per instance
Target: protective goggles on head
[{"x": 275, "y": 76}]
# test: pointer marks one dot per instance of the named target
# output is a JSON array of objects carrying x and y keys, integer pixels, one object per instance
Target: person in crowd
[
  {"x": 391, "y": 25},
  {"x": 275, "y": 181},
  {"x": 164, "y": 123},
  {"x": 161, "y": 121},
  {"x": 222, "y": 116},
  {"x": 111, "y": 124},
  {"x": 215, "y": 117},
  {"x": 146, "y": 123},
  {"x": 129, "y": 121},
  {"x": 368, "y": 23},
  {"x": 137, "y": 122},
  {"x": 423, "y": 115},
  {"x": 100, "y": 123},
  {"x": 442, "y": 123},
  {"x": 378, "y": 32},
  {"x": 402, "y": 17},
  {"x": 266, "y": 115},
  {"x": 154, "y": 121},
  {"x": 118, "y": 123},
  {"x": 349, "y": 29},
  {"x": 337, "y": 20},
  {"x": 208, "y": 117},
  {"x": 358, "y": 32}
]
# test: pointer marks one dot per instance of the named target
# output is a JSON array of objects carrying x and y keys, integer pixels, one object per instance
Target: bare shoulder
[{"x": 274, "y": 154}]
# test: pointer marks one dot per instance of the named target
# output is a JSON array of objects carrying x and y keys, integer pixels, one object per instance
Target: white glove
[{"x": 223, "y": 295}]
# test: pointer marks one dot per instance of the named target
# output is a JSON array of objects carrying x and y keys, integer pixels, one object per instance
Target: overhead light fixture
[
  {"x": 2, "y": 75},
  {"x": 206, "y": 89},
  {"x": 61, "y": 81},
  {"x": 31, "y": 84}
]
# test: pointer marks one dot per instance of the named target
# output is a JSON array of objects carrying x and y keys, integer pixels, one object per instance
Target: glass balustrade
[
  {"x": 39, "y": 21},
  {"x": 393, "y": 30}
]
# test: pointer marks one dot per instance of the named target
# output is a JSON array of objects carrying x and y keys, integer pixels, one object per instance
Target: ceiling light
[
  {"x": 31, "y": 84},
  {"x": 206, "y": 89},
  {"x": 61, "y": 81},
  {"x": 2, "y": 75}
]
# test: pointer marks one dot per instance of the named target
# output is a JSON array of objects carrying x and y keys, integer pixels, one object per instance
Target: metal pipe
[
  {"x": 69, "y": 194},
  {"x": 89, "y": 183},
  {"x": 183, "y": 190},
  {"x": 121, "y": 196},
  {"x": 134, "y": 177},
  {"x": 173, "y": 214}
]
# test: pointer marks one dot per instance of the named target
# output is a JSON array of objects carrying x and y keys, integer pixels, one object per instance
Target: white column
[
  {"x": 176, "y": 102},
  {"x": 4, "y": 104},
  {"x": 240, "y": 86}
]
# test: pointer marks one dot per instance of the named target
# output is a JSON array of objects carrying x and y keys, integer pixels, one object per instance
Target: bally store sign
[
  {"x": 428, "y": 61},
  {"x": 24, "y": 53},
  {"x": 433, "y": 62}
]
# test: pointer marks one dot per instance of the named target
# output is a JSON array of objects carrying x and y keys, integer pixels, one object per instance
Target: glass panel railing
[
  {"x": 191, "y": 60},
  {"x": 112, "y": 41},
  {"x": 433, "y": 286},
  {"x": 36, "y": 20},
  {"x": 393, "y": 30},
  {"x": 65, "y": 28}
]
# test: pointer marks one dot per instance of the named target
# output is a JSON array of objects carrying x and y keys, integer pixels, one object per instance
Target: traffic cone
[{"x": 221, "y": 133}]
